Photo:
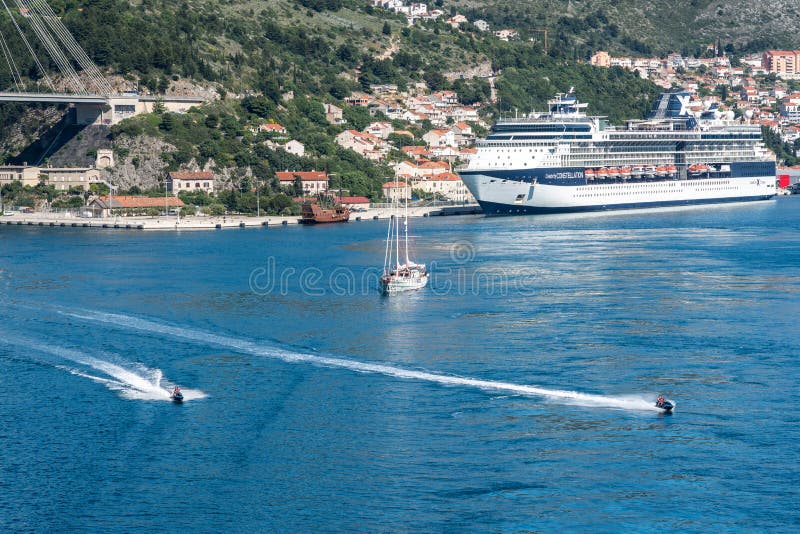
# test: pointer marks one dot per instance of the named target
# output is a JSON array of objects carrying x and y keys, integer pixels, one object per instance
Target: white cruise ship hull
[
  {"x": 499, "y": 196},
  {"x": 566, "y": 161}
]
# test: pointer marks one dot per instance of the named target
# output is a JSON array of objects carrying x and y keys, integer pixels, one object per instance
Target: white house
[
  {"x": 396, "y": 191},
  {"x": 292, "y": 147},
  {"x": 379, "y": 129},
  {"x": 370, "y": 146},
  {"x": 440, "y": 138},
  {"x": 191, "y": 181},
  {"x": 448, "y": 185},
  {"x": 314, "y": 182},
  {"x": 333, "y": 114}
]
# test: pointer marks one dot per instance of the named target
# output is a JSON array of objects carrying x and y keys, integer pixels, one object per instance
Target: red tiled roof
[
  {"x": 444, "y": 177},
  {"x": 143, "y": 202},
  {"x": 308, "y": 176},
  {"x": 434, "y": 165},
  {"x": 390, "y": 185},
  {"x": 191, "y": 175},
  {"x": 352, "y": 200}
]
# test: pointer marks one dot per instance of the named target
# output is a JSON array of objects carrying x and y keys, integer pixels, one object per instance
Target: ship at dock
[
  {"x": 321, "y": 212},
  {"x": 566, "y": 161}
]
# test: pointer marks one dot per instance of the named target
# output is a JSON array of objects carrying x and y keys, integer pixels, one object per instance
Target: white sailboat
[{"x": 400, "y": 274}]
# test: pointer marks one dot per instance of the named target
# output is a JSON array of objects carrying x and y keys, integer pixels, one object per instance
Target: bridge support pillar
[{"x": 85, "y": 114}]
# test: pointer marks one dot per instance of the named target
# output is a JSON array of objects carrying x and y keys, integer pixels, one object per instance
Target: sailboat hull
[{"x": 393, "y": 283}]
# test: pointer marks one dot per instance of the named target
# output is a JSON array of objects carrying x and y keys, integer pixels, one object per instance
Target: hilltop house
[
  {"x": 292, "y": 147},
  {"x": 270, "y": 128},
  {"x": 333, "y": 114},
  {"x": 370, "y": 146},
  {"x": 440, "y": 138},
  {"x": 379, "y": 129}
]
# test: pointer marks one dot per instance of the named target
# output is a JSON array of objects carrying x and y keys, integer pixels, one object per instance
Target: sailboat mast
[
  {"x": 397, "y": 236},
  {"x": 405, "y": 228},
  {"x": 387, "y": 256}
]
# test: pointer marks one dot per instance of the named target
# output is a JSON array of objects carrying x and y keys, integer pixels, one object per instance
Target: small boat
[
  {"x": 661, "y": 170},
  {"x": 601, "y": 173},
  {"x": 177, "y": 396},
  {"x": 589, "y": 174},
  {"x": 400, "y": 275}
]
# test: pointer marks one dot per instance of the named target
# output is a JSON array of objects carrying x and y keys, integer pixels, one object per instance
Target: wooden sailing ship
[{"x": 316, "y": 212}]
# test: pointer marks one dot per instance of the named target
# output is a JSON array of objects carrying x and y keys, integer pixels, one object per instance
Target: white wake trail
[
  {"x": 249, "y": 347},
  {"x": 132, "y": 381}
]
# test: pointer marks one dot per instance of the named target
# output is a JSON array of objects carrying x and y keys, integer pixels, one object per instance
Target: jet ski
[
  {"x": 665, "y": 405},
  {"x": 177, "y": 396}
]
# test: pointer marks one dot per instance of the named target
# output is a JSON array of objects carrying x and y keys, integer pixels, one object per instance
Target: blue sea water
[{"x": 514, "y": 394}]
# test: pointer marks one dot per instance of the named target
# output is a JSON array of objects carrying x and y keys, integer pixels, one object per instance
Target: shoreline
[{"x": 51, "y": 220}]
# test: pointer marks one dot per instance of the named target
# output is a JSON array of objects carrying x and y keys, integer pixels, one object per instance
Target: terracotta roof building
[{"x": 134, "y": 203}]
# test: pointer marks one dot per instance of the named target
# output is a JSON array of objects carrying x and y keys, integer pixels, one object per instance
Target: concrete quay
[{"x": 62, "y": 220}]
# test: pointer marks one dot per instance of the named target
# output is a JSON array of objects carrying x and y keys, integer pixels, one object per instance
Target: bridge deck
[{"x": 60, "y": 98}]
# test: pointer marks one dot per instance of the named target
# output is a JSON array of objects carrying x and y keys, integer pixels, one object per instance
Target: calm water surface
[{"x": 512, "y": 394}]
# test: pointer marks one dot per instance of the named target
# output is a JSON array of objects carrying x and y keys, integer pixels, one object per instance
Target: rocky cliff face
[{"x": 138, "y": 162}]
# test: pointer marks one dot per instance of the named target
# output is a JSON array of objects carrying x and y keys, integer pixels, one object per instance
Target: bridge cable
[
  {"x": 90, "y": 69},
  {"x": 29, "y": 47},
  {"x": 12, "y": 66},
  {"x": 63, "y": 63}
]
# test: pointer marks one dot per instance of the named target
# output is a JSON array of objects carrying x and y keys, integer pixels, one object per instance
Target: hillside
[
  {"x": 656, "y": 27},
  {"x": 255, "y": 53}
]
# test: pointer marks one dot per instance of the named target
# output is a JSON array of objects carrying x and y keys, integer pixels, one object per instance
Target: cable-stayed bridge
[{"x": 35, "y": 27}]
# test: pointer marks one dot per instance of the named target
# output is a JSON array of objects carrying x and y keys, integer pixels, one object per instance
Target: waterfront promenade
[{"x": 204, "y": 222}]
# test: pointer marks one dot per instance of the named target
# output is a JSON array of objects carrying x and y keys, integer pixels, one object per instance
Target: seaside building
[
  {"x": 314, "y": 182},
  {"x": 61, "y": 178},
  {"x": 354, "y": 203},
  {"x": 447, "y": 185},
  {"x": 19, "y": 173},
  {"x": 113, "y": 205},
  {"x": 396, "y": 191},
  {"x": 178, "y": 181}
]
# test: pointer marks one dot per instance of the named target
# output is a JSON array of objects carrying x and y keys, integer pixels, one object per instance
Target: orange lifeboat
[
  {"x": 672, "y": 170},
  {"x": 589, "y": 174},
  {"x": 625, "y": 172},
  {"x": 661, "y": 170},
  {"x": 613, "y": 172},
  {"x": 601, "y": 173}
]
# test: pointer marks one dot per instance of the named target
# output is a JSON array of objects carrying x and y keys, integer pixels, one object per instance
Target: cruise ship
[{"x": 566, "y": 161}]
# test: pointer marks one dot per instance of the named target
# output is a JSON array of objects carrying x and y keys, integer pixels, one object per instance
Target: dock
[{"x": 163, "y": 223}]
